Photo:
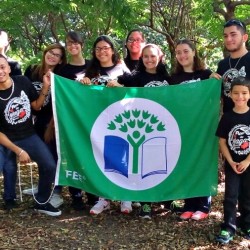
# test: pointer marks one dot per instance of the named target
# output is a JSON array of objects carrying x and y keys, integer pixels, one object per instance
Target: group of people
[{"x": 27, "y": 126}]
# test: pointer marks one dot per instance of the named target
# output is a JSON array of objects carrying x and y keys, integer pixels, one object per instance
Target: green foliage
[{"x": 32, "y": 24}]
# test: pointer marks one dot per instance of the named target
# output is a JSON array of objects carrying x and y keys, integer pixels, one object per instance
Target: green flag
[{"x": 139, "y": 144}]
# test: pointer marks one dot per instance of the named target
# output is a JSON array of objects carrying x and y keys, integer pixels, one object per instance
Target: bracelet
[{"x": 20, "y": 153}]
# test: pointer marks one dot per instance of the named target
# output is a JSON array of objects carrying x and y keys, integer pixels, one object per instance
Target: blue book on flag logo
[{"x": 116, "y": 155}]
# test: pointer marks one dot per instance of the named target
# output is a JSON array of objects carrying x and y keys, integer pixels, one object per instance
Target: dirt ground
[{"x": 23, "y": 228}]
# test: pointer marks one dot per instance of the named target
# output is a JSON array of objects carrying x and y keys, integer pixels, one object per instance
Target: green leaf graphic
[
  {"x": 124, "y": 128},
  {"x": 149, "y": 129},
  {"x": 154, "y": 119},
  {"x": 161, "y": 127},
  {"x": 136, "y": 113},
  {"x": 131, "y": 123},
  {"x": 145, "y": 114},
  {"x": 141, "y": 123},
  {"x": 111, "y": 126},
  {"x": 118, "y": 118},
  {"x": 126, "y": 114}
]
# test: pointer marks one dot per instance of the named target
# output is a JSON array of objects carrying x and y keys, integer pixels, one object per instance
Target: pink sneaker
[
  {"x": 186, "y": 215},
  {"x": 198, "y": 215}
]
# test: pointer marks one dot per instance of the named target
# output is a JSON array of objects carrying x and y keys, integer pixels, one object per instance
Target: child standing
[{"x": 234, "y": 133}]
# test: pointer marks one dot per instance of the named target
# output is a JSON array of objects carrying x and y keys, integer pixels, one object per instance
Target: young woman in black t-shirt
[{"x": 189, "y": 68}]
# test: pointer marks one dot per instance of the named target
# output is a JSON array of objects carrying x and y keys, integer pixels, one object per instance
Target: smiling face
[
  {"x": 240, "y": 95},
  {"x": 150, "y": 58},
  {"x": 73, "y": 48},
  {"x": 4, "y": 70},
  {"x": 104, "y": 53},
  {"x": 234, "y": 39},
  {"x": 135, "y": 43},
  {"x": 53, "y": 57},
  {"x": 185, "y": 56}
]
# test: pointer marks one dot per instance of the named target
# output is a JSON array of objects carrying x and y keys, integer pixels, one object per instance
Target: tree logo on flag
[
  {"x": 141, "y": 122},
  {"x": 136, "y": 143}
]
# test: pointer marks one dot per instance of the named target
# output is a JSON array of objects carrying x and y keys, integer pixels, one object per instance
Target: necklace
[
  {"x": 12, "y": 91},
  {"x": 235, "y": 64}
]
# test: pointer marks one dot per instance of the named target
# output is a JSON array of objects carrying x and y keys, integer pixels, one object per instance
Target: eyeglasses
[
  {"x": 131, "y": 40},
  {"x": 234, "y": 22},
  {"x": 70, "y": 43},
  {"x": 104, "y": 49},
  {"x": 54, "y": 54}
]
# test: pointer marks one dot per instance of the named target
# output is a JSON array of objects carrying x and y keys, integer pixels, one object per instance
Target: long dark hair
[
  {"x": 198, "y": 63},
  {"x": 40, "y": 68},
  {"x": 160, "y": 68},
  {"x": 128, "y": 58},
  {"x": 93, "y": 69}
]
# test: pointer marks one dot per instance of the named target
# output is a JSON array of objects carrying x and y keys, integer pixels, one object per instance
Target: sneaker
[
  {"x": 56, "y": 200},
  {"x": 100, "y": 206},
  {"x": 136, "y": 204},
  {"x": 77, "y": 204},
  {"x": 186, "y": 215},
  {"x": 247, "y": 234},
  {"x": 47, "y": 209},
  {"x": 175, "y": 207},
  {"x": 224, "y": 237},
  {"x": 30, "y": 191},
  {"x": 198, "y": 215},
  {"x": 10, "y": 204},
  {"x": 145, "y": 211},
  {"x": 126, "y": 207}
]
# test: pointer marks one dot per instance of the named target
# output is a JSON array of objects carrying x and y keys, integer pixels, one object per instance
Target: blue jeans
[{"x": 39, "y": 153}]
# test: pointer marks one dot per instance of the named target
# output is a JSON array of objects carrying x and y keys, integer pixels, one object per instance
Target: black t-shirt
[
  {"x": 239, "y": 67},
  {"x": 143, "y": 79},
  {"x": 74, "y": 72},
  {"x": 110, "y": 73},
  {"x": 14, "y": 66},
  {"x": 188, "y": 77},
  {"x": 235, "y": 128},
  {"x": 131, "y": 64},
  {"x": 15, "y": 109}
]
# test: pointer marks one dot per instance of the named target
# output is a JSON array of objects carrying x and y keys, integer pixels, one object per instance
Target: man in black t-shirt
[
  {"x": 237, "y": 64},
  {"x": 17, "y": 97}
]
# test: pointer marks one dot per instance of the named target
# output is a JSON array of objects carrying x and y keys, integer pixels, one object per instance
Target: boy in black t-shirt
[
  {"x": 237, "y": 64},
  {"x": 234, "y": 133},
  {"x": 17, "y": 97}
]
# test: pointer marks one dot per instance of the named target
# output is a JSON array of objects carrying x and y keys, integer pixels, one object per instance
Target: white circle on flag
[{"x": 143, "y": 146}]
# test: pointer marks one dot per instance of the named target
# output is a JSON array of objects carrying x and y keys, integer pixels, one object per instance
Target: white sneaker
[
  {"x": 56, "y": 200},
  {"x": 29, "y": 191},
  {"x": 100, "y": 206},
  {"x": 136, "y": 204},
  {"x": 126, "y": 207}
]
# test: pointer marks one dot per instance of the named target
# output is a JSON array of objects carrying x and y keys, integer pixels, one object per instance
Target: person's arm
[
  {"x": 22, "y": 155},
  {"x": 215, "y": 75},
  {"x": 227, "y": 155},
  {"x": 38, "y": 103}
]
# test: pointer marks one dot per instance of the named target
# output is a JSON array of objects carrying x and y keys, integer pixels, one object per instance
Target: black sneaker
[
  {"x": 247, "y": 234},
  {"x": 224, "y": 237},
  {"x": 47, "y": 209},
  {"x": 145, "y": 211},
  {"x": 10, "y": 204},
  {"x": 77, "y": 204},
  {"x": 173, "y": 206}
]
